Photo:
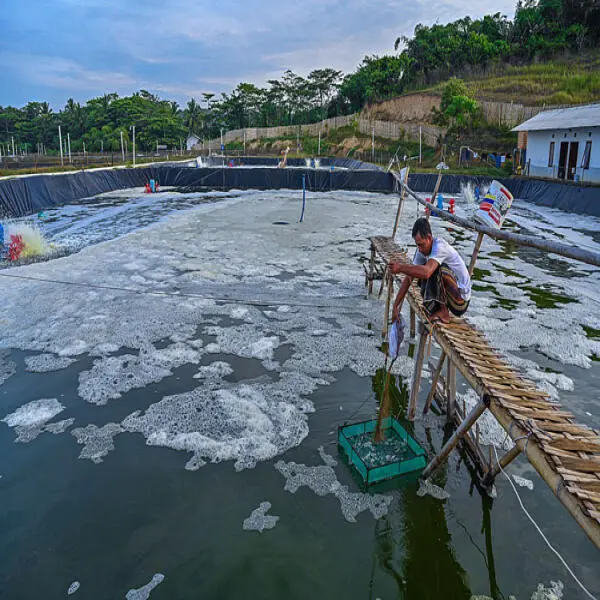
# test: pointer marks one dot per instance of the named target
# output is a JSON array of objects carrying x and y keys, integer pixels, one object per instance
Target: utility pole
[
  {"x": 62, "y": 163},
  {"x": 421, "y": 145},
  {"x": 12, "y": 137},
  {"x": 244, "y": 142},
  {"x": 69, "y": 143},
  {"x": 122, "y": 147},
  {"x": 133, "y": 143},
  {"x": 319, "y": 150},
  {"x": 102, "y": 146}
]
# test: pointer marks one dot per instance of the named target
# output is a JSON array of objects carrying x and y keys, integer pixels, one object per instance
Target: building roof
[{"x": 563, "y": 118}]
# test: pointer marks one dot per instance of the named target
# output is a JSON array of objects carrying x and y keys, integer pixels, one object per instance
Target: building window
[
  {"x": 587, "y": 153},
  {"x": 551, "y": 154}
]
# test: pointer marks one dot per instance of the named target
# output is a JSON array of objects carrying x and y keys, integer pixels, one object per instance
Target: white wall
[{"x": 538, "y": 149}]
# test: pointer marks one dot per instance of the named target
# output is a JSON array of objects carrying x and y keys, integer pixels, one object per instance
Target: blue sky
[{"x": 56, "y": 49}]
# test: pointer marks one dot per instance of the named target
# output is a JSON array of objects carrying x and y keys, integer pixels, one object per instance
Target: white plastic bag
[{"x": 396, "y": 336}]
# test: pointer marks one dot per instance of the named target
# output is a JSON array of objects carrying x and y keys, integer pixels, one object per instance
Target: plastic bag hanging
[{"x": 396, "y": 336}]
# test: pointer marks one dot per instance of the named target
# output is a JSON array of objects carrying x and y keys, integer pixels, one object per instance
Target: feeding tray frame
[{"x": 395, "y": 468}]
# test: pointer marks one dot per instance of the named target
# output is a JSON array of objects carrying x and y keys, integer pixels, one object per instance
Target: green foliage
[{"x": 375, "y": 79}]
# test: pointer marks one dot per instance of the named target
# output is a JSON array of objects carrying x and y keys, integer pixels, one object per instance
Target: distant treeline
[{"x": 541, "y": 29}]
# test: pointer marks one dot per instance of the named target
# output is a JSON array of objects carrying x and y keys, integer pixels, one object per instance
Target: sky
[{"x": 53, "y": 50}]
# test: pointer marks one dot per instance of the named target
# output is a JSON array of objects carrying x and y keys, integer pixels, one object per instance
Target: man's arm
[
  {"x": 418, "y": 271},
  {"x": 400, "y": 296}
]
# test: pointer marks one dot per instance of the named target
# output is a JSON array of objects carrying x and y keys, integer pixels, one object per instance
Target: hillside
[{"x": 574, "y": 80}]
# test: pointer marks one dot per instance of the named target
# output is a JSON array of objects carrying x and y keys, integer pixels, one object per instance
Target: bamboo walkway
[{"x": 565, "y": 453}]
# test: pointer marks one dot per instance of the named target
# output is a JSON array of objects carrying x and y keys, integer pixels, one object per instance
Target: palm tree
[{"x": 192, "y": 116}]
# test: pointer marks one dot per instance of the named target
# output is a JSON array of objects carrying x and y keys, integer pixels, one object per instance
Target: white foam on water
[
  {"x": 217, "y": 369},
  {"x": 245, "y": 423},
  {"x": 322, "y": 481},
  {"x": 44, "y": 363},
  {"x": 426, "y": 488},
  {"x": 553, "y": 592},
  {"x": 144, "y": 592},
  {"x": 73, "y": 588},
  {"x": 521, "y": 481},
  {"x": 113, "y": 376},
  {"x": 29, "y": 420},
  {"x": 97, "y": 441},
  {"x": 7, "y": 367},
  {"x": 259, "y": 520},
  {"x": 319, "y": 266},
  {"x": 327, "y": 458}
]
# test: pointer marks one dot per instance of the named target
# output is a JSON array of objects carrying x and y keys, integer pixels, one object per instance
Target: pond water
[{"x": 172, "y": 387}]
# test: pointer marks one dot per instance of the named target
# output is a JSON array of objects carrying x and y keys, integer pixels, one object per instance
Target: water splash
[{"x": 34, "y": 242}]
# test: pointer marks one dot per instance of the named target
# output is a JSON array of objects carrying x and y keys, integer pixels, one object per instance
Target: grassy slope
[{"x": 574, "y": 80}]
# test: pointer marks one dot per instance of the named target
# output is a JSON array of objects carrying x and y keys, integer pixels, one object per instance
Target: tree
[
  {"x": 192, "y": 117},
  {"x": 325, "y": 82}
]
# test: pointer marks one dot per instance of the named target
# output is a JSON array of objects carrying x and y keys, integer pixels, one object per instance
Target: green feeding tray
[{"x": 397, "y": 454}]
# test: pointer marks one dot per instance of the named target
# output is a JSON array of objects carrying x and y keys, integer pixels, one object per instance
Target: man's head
[{"x": 422, "y": 235}]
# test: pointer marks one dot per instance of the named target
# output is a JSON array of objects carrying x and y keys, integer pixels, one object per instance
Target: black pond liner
[{"x": 20, "y": 196}]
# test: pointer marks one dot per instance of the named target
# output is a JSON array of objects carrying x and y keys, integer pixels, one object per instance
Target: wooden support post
[
  {"x": 371, "y": 269},
  {"x": 475, "y": 252},
  {"x": 400, "y": 204},
  {"x": 413, "y": 323},
  {"x": 464, "y": 427},
  {"x": 451, "y": 390},
  {"x": 388, "y": 304},
  {"x": 417, "y": 373},
  {"x": 434, "y": 382},
  {"x": 488, "y": 480},
  {"x": 435, "y": 193}
]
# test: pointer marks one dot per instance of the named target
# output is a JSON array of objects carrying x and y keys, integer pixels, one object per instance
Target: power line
[{"x": 249, "y": 301}]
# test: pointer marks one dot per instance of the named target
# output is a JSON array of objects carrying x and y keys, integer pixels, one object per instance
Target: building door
[
  {"x": 573, "y": 153},
  {"x": 562, "y": 160}
]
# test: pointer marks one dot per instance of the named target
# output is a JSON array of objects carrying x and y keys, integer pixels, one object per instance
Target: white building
[
  {"x": 192, "y": 140},
  {"x": 563, "y": 143}
]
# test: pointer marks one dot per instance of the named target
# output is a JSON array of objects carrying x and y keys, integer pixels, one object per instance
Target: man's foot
[{"x": 440, "y": 316}]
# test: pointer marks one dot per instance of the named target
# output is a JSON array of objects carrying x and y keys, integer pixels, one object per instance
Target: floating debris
[
  {"x": 322, "y": 480},
  {"x": 29, "y": 419},
  {"x": 327, "y": 458},
  {"x": 430, "y": 489},
  {"x": 73, "y": 588},
  {"x": 521, "y": 481},
  {"x": 97, "y": 441},
  {"x": 143, "y": 593},
  {"x": 44, "y": 363},
  {"x": 259, "y": 520}
]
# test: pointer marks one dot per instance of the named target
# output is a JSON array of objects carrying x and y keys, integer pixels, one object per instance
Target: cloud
[{"x": 83, "y": 48}]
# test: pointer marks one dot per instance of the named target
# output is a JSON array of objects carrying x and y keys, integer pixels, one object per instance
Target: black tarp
[
  {"x": 568, "y": 197},
  {"x": 26, "y": 195}
]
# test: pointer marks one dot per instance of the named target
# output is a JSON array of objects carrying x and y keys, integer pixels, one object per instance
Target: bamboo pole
[
  {"x": 371, "y": 269},
  {"x": 475, "y": 253},
  {"x": 417, "y": 373},
  {"x": 585, "y": 256},
  {"x": 434, "y": 382},
  {"x": 531, "y": 448},
  {"x": 400, "y": 204},
  {"x": 505, "y": 460},
  {"x": 451, "y": 390},
  {"x": 413, "y": 323},
  {"x": 436, "y": 189},
  {"x": 464, "y": 427}
]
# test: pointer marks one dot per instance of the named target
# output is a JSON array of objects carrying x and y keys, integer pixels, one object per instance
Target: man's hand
[{"x": 394, "y": 267}]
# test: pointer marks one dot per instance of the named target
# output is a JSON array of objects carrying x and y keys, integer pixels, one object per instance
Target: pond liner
[{"x": 21, "y": 196}]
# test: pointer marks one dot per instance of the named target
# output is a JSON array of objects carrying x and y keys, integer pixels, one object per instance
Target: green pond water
[{"x": 114, "y": 524}]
